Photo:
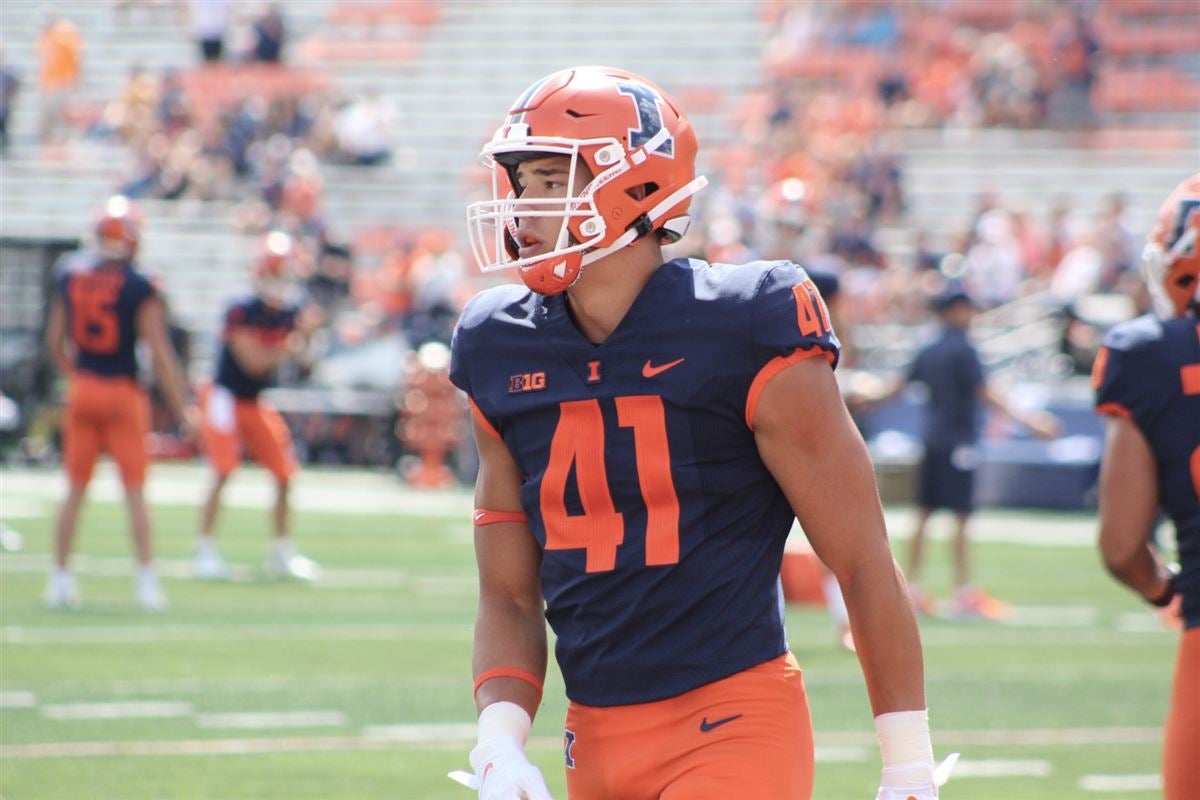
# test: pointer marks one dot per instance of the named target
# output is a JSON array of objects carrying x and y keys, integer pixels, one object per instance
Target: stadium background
[{"x": 1023, "y": 146}]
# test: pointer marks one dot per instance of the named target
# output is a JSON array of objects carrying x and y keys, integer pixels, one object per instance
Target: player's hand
[
  {"x": 502, "y": 772},
  {"x": 1045, "y": 425},
  {"x": 189, "y": 425},
  {"x": 1172, "y": 614},
  {"x": 914, "y": 781}
]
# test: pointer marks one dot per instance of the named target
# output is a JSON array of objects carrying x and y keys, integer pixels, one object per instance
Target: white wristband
[
  {"x": 904, "y": 738},
  {"x": 504, "y": 719}
]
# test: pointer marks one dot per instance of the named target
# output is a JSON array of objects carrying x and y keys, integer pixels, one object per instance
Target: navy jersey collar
[{"x": 555, "y": 320}]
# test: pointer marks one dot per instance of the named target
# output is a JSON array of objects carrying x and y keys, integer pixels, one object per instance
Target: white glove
[
  {"x": 502, "y": 772},
  {"x": 914, "y": 781}
]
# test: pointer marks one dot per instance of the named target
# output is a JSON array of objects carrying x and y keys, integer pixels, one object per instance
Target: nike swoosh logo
[
  {"x": 649, "y": 371},
  {"x": 479, "y": 515},
  {"x": 706, "y": 726},
  {"x": 484, "y": 775}
]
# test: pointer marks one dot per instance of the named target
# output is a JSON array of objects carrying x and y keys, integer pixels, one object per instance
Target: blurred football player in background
[
  {"x": 101, "y": 307},
  {"x": 955, "y": 385},
  {"x": 260, "y": 333},
  {"x": 647, "y": 433},
  {"x": 1147, "y": 381}
]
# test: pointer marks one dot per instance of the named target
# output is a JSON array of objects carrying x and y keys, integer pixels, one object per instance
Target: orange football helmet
[
  {"x": 638, "y": 147},
  {"x": 273, "y": 267},
  {"x": 118, "y": 229},
  {"x": 1171, "y": 260}
]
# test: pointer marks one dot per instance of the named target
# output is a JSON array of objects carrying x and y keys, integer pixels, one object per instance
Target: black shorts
[{"x": 946, "y": 478}]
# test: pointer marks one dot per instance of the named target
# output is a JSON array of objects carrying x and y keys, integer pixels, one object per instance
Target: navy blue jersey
[
  {"x": 1148, "y": 371},
  {"x": 101, "y": 300},
  {"x": 662, "y": 531},
  {"x": 950, "y": 368},
  {"x": 826, "y": 280},
  {"x": 271, "y": 325}
]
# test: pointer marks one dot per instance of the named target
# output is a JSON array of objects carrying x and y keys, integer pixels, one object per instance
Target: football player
[
  {"x": 101, "y": 307},
  {"x": 261, "y": 332},
  {"x": 1147, "y": 381},
  {"x": 647, "y": 433}
]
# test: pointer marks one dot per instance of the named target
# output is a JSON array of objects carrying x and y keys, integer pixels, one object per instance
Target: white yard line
[
  {"x": 1121, "y": 783},
  {"x": 261, "y": 683},
  {"x": 457, "y": 732},
  {"x": 250, "y": 720},
  {"x": 145, "y": 709},
  {"x": 331, "y": 578},
  {"x": 443, "y": 736},
  {"x": 840, "y": 754},
  {"x": 118, "y": 634},
  {"x": 382, "y": 493},
  {"x": 17, "y": 699},
  {"x": 1002, "y": 768},
  {"x": 1028, "y": 736}
]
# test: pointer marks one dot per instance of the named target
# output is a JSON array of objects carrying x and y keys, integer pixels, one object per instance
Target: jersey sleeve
[
  {"x": 789, "y": 316},
  {"x": 146, "y": 287},
  {"x": 788, "y": 322},
  {"x": 464, "y": 352},
  {"x": 1127, "y": 376}
]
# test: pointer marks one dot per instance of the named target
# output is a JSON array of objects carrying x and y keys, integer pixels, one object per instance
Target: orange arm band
[
  {"x": 508, "y": 672},
  {"x": 484, "y": 516}
]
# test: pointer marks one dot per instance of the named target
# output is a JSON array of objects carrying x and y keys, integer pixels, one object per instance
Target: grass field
[{"x": 358, "y": 687}]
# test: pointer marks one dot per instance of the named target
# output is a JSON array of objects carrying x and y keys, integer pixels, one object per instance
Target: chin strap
[{"x": 653, "y": 215}]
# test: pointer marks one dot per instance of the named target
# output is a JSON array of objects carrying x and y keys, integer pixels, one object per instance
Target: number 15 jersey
[{"x": 662, "y": 530}]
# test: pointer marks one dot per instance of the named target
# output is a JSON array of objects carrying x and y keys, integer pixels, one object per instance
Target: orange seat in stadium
[
  {"x": 213, "y": 88},
  {"x": 1148, "y": 89}
]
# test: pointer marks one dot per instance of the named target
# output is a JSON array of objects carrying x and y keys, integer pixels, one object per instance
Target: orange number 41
[{"x": 579, "y": 441}]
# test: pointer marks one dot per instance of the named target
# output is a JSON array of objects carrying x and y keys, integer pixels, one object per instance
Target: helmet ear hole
[{"x": 642, "y": 191}]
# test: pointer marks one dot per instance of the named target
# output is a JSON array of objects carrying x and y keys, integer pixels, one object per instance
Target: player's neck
[{"x": 606, "y": 290}]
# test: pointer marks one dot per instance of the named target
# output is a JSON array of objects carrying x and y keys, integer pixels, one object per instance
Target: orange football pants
[
  {"x": 1181, "y": 748},
  {"x": 231, "y": 422},
  {"x": 105, "y": 415},
  {"x": 747, "y": 736}
]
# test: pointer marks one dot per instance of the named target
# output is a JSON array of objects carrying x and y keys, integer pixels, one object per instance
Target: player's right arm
[
  {"x": 510, "y": 628},
  {"x": 151, "y": 323},
  {"x": 509, "y": 658},
  {"x": 1128, "y": 506},
  {"x": 56, "y": 336},
  {"x": 254, "y": 357}
]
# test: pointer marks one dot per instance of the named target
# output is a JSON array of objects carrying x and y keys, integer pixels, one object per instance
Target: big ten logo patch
[{"x": 527, "y": 382}]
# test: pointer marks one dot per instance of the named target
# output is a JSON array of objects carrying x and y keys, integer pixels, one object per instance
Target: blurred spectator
[
  {"x": 364, "y": 130},
  {"x": 60, "y": 47},
  {"x": 1082, "y": 266},
  {"x": 270, "y": 32},
  {"x": 1119, "y": 245},
  {"x": 132, "y": 116},
  {"x": 210, "y": 21},
  {"x": 173, "y": 111},
  {"x": 1076, "y": 51},
  {"x": 10, "y": 84},
  {"x": 994, "y": 265}
]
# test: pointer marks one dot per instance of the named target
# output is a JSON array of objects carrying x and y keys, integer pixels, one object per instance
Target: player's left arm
[
  {"x": 1128, "y": 507},
  {"x": 56, "y": 336},
  {"x": 151, "y": 322},
  {"x": 808, "y": 441},
  {"x": 1041, "y": 423}
]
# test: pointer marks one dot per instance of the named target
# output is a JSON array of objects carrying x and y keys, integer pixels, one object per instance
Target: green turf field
[{"x": 359, "y": 687}]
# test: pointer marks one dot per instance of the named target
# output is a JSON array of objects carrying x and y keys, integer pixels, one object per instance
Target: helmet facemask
[{"x": 1172, "y": 268}]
